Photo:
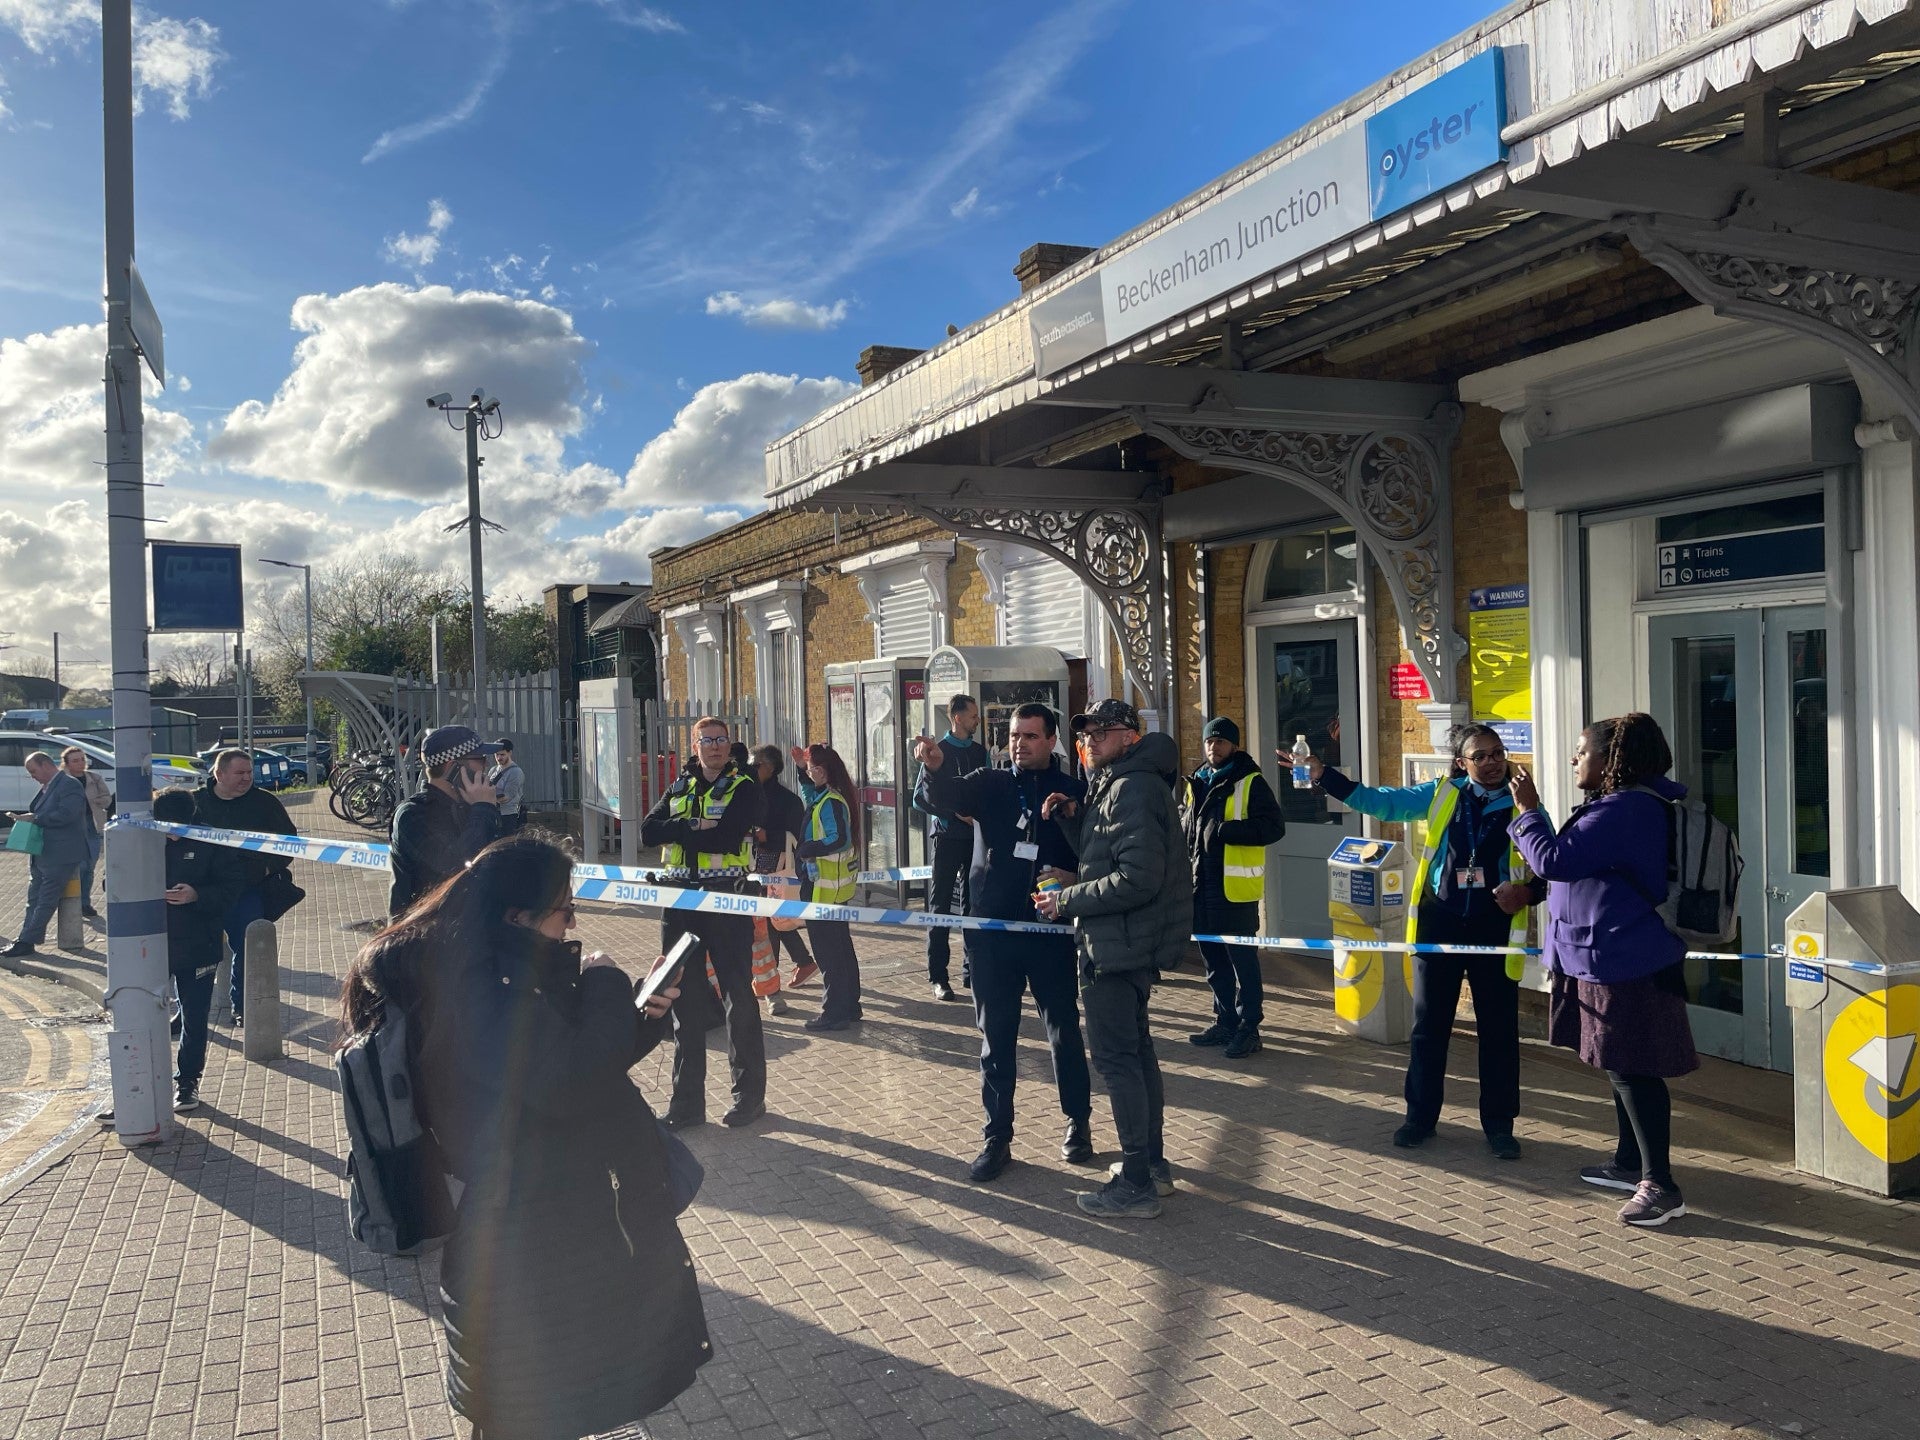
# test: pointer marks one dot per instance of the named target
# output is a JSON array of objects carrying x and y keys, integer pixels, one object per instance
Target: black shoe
[
  {"x": 992, "y": 1159},
  {"x": 90, "y": 914},
  {"x": 1504, "y": 1146},
  {"x": 19, "y": 947},
  {"x": 826, "y": 1022},
  {"x": 683, "y": 1122},
  {"x": 239, "y": 1020},
  {"x": 744, "y": 1113},
  {"x": 1077, "y": 1148},
  {"x": 1245, "y": 1042},
  {"x": 1218, "y": 1033},
  {"x": 943, "y": 991},
  {"x": 105, "y": 1117},
  {"x": 186, "y": 1097},
  {"x": 1410, "y": 1135}
]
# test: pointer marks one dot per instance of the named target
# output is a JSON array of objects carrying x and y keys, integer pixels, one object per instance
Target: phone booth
[
  {"x": 875, "y": 708},
  {"x": 1001, "y": 678}
]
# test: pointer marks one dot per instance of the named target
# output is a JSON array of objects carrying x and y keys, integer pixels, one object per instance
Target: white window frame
[
  {"x": 701, "y": 629},
  {"x": 884, "y": 571},
  {"x": 774, "y": 616}
]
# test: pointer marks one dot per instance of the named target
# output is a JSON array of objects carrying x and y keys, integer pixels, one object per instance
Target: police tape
[{"x": 629, "y": 885}]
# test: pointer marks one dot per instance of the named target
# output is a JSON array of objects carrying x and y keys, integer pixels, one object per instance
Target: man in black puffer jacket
[
  {"x": 1132, "y": 910},
  {"x": 203, "y": 881}
]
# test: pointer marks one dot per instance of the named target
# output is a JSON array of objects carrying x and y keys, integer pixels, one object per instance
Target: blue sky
[{"x": 660, "y": 233}]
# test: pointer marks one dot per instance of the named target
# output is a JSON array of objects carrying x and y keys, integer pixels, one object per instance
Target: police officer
[
  {"x": 951, "y": 838},
  {"x": 704, "y": 827},
  {"x": 1022, "y": 846}
]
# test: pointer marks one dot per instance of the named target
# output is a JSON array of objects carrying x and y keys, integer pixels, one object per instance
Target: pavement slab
[{"x": 1306, "y": 1280}]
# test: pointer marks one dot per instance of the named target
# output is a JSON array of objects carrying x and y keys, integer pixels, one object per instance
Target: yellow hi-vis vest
[
  {"x": 832, "y": 874},
  {"x": 1243, "y": 872},
  {"x": 708, "y": 862},
  {"x": 1446, "y": 795}
]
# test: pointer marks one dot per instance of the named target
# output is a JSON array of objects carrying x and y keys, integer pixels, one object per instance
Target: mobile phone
[{"x": 665, "y": 970}]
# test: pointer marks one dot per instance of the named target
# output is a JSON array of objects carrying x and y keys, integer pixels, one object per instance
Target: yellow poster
[{"x": 1499, "y": 637}]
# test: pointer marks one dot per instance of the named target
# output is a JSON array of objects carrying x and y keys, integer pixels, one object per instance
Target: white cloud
[
  {"x": 51, "y": 419},
  {"x": 779, "y": 314},
  {"x": 641, "y": 17},
  {"x": 714, "y": 452},
  {"x": 172, "y": 59},
  {"x": 964, "y": 206},
  {"x": 417, "y": 251}
]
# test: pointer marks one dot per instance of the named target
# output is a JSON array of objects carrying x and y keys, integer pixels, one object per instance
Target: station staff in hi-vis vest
[
  {"x": 704, "y": 827},
  {"x": 1230, "y": 816},
  {"x": 828, "y": 855},
  {"x": 1471, "y": 888}
]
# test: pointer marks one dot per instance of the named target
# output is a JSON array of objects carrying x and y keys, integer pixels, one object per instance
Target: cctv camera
[
  {"x": 478, "y": 396},
  {"x": 434, "y": 402}
]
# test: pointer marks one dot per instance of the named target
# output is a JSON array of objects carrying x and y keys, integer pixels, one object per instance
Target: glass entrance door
[
  {"x": 1310, "y": 681},
  {"x": 1741, "y": 695}
]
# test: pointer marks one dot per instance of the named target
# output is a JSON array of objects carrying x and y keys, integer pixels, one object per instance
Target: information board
[{"x": 196, "y": 588}]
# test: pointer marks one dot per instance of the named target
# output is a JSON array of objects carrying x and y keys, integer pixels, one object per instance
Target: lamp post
[
  {"x": 480, "y": 418},
  {"x": 307, "y": 571}
]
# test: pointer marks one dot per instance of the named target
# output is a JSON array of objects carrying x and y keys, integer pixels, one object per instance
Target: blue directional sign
[{"x": 1730, "y": 559}]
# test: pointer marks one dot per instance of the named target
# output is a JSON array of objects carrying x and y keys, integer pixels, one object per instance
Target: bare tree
[{"x": 198, "y": 666}]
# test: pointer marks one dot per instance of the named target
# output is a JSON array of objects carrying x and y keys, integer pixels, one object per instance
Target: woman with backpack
[
  {"x": 1619, "y": 996},
  {"x": 828, "y": 857},
  {"x": 570, "y": 1300}
]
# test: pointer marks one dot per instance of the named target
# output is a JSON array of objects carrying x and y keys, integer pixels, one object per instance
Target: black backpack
[
  {"x": 399, "y": 1197},
  {"x": 1701, "y": 905}
]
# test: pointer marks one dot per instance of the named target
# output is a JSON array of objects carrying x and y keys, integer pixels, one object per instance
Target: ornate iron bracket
[
  {"x": 1390, "y": 483},
  {"x": 1863, "y": 301}
]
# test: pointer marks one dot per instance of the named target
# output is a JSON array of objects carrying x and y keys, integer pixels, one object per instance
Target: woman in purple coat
[{"x": 1619, "y": 999}]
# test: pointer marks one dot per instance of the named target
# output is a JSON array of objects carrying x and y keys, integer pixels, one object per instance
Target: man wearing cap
[
  {"x": 1231, "y": 816},
  {"x": 509, "y": 783},
  {"x": 704, "y": 826},
  {"x": 451, "y": 819},
  {"x": 1131, "y": 907}
]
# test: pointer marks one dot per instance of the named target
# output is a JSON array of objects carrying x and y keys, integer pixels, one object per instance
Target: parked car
[
  {"x": 315, "y": 770},
  {"x": 17, "y": 788}
]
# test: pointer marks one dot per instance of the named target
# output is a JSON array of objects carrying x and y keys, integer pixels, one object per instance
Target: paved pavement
[{"x": 1307, "y": 1281}]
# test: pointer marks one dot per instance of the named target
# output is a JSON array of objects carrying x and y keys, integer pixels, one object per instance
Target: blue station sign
[{"x": 1731, "y": 559}]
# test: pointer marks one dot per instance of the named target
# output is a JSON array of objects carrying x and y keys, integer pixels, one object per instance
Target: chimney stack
[
  {"x": 876, "y": 362},
  {"x": 1040, "y": 263}
]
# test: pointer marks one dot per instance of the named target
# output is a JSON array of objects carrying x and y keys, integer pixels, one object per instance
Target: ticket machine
[
  {"x": 875, "y": 708},
  {"x": 1001, "y": 678},
  {"x": 1367, "y": 901}
]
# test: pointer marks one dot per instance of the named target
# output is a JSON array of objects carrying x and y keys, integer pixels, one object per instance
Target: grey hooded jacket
[{"x": 1132, "y": 908}]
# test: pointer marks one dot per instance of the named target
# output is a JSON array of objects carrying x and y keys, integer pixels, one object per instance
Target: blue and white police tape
[{"x": 628, "y": 885}]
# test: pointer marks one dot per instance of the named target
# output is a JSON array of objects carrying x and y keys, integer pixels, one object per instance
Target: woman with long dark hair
[
  {"x": 570, "y": 1301},
  {"x": 829, "y": 858},
  {"x": 1619, "y": 995}
]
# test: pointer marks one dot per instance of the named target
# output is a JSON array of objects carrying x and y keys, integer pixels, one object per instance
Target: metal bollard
[
  {"x": 69, "y": 933},
  {"x": 260, "y": 1039}
]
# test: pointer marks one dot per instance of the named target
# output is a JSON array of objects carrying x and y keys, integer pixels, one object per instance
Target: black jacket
[
  {"x": 257, "y": 809},
  {"x": 434, "y": 836},
  {"x": 997, "y": 800},
  {"x": 741, "y": 817},
  {"x": 1203, "y": 815},
  {"x": 782, "y": 814},
  {"x": 195, "y": 935},
  {"x": 959, "y": 761},
  {"x": 1133, "y": 906},
  {"x": 571, "y": 1301}
]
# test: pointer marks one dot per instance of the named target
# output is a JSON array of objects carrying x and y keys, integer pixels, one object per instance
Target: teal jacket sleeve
[{"x": 1397, "y": 803}]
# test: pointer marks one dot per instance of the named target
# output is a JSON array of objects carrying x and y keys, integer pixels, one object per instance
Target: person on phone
[
  {"x": 570, "y": 1302},
  {"x": 1470, "y": 888},
  {"x": 1619, "y": 992},
  {"x": 452, "y": 819},
  {"x": 203, "y": 881},
  {"x": 828, "y": 855}
]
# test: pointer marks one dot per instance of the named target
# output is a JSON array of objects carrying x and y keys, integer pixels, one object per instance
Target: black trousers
[
  {"x": 728, "y": 943},
  {"x": 1233, "y": 971},
  {"x": 1496, "y": 1007},
  {"x": 1005, "y": 967},
  {"x": 950, "y": 893},
  {"x": 1122, "y": 1048},
  {"x": 839, "y": 969}
]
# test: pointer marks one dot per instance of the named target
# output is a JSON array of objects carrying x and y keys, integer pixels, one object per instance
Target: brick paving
[{"x": 1307, "y": 1281}]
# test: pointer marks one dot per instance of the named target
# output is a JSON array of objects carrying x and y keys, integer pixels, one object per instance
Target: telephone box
[
  {"x": 875, "y": 709},
  {"x": 1001, "y": 678}
]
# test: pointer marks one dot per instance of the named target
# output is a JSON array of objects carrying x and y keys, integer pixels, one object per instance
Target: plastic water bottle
[{"x": 1302, "y": 776}]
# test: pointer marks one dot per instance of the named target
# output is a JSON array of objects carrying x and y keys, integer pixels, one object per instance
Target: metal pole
[
  {"x": 313, "y": 757},
  {"x": 141, "y": 1052},
  {"x": 56, "y": 670},
  {"x": 473, "y": 547}
]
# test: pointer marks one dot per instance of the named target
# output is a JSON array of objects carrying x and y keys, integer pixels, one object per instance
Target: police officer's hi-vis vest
[
  {"x": 738, "y": 861},
  {"x": 1243, "y": 871},
  {"x": 1446, "y": 796},
  {"x": 832, "y": 874}
]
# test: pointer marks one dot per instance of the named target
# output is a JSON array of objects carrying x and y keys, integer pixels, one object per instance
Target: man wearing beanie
[{"x": 1230, "y": 816}]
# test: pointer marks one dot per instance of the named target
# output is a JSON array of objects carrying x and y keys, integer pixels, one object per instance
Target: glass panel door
[
  {"x": 1706, "y": 692},
  {"x": 1798, "y": 859},
  {"x": 1310, "y": 685}
]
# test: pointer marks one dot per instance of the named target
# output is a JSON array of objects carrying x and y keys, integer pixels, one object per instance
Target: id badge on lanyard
[{"x": 1026, "y": 849}]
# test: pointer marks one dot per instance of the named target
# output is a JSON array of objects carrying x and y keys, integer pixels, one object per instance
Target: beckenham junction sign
[{"x": 1439, "y": 135}]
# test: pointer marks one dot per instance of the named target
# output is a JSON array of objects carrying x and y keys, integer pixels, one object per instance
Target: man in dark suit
[{"x": 66, "y": 821}]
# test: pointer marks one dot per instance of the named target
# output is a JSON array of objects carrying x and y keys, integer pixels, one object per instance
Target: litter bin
[
  {"x": 1853, "y": 984},
  {"x": 1367, "y": 901}
]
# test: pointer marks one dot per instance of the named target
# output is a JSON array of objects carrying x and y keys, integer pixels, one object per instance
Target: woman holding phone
[
  {"x": 1470, "y": 889},
  {"x": 828, "y": 856},
  {"x": 570, "y": 1301}
]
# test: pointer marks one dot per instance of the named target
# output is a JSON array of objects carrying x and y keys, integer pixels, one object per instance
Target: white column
[{"x": 1887, "y": 665}]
